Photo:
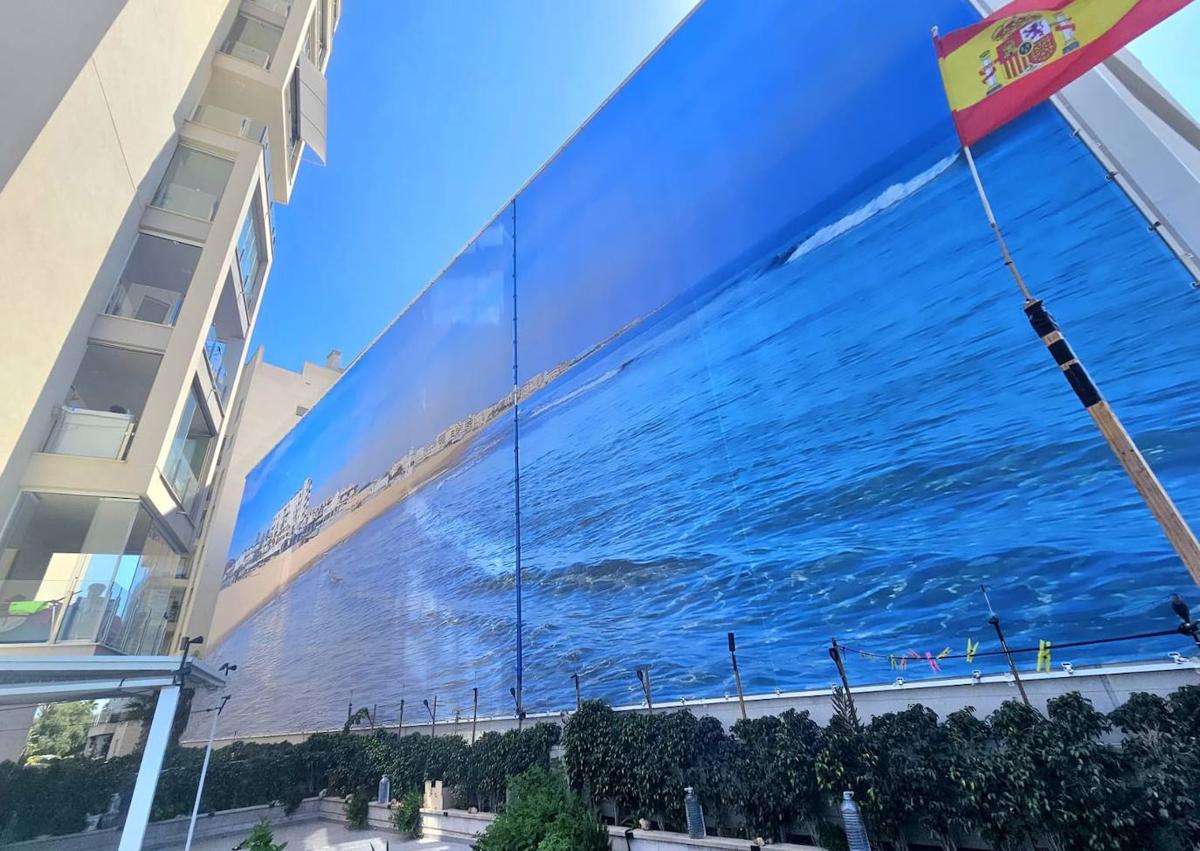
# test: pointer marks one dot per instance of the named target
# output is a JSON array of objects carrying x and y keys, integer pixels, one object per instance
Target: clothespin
[
  {"x": 972, "y": 649},
  {"x": 933, "y": 663},
  {"x": 892, "y": 660},
  {"x": 943, "y": 654},
  {"x": 1043, "y": 657}
]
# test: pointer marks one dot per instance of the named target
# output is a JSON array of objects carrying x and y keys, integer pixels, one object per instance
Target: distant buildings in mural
[{"x": 296, "y": 522}]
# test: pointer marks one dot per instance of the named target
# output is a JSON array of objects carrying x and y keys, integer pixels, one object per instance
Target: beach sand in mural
[{"x": 246, "y": 596}]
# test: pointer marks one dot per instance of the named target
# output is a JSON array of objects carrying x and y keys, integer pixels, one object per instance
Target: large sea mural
[{"x": 747, "y": 342}]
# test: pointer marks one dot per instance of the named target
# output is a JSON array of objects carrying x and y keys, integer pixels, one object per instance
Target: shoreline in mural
[{"x": 298, "y": 534}]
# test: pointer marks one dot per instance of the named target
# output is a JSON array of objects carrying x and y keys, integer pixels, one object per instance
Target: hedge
[
  {"x": 56, "y": 798},
  {"x": 1071, "y": 779},
  {"x": 1017, "y": 780}
]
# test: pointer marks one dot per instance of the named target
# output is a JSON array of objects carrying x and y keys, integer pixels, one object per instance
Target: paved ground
[{"x": 325, "y": 836}]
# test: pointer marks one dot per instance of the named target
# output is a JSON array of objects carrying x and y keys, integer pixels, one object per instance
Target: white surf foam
[{"x": 891, "y": 196}]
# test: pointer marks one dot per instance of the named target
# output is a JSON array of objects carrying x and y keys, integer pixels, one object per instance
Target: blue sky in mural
[{"x": 440, "y": 111}]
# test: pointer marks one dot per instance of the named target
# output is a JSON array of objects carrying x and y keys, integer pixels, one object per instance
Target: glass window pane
[
  {"x": 252, "y": 40},
  {"x": 148, "y": 591},
  {"x": 188, "y": 458},
  {"x": 249, "y": 254},
  {"x": 58, "y": 560},
  {"x": 155, "y": 279},
  {"x": 193, "y": 183}
]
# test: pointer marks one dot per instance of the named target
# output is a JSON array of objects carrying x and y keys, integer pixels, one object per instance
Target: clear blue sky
[{"x": 439, "y": 111}]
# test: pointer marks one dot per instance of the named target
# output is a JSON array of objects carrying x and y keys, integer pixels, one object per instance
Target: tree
[
  {"x": 912, "y": 776},
  {"x": 60, "y": 729}
]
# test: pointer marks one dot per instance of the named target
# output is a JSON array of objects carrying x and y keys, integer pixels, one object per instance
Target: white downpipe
[{"x": 147, "y": 776}]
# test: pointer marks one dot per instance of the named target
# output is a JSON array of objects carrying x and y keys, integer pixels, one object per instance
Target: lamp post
[
  {"x": 643, "y": 675},
  {"x": 1187, "y": 626}
]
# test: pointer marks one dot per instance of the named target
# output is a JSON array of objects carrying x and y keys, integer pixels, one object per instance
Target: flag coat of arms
[{"x": 1022, "y": 54}]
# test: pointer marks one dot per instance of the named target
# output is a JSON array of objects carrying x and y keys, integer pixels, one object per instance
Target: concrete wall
[
  {"x": 263, "y": 411},
  {"x": 1106, "y": 686},
  {"x": 465, "y": 827}
]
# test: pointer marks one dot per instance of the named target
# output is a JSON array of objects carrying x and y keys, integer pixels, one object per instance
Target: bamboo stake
[{"x": 1131, "y": 459}]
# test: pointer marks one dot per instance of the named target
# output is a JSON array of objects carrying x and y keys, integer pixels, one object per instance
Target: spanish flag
[{"x": 1017, "y": 57}]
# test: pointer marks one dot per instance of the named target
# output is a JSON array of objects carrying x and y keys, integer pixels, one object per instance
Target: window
[
  {"x": 253, "y": 40},
  {"x": 291, "y": 95},
  {"x": 79, "y": 568},
  {"x": 155, "y": 280},
  {"x": 188, "y": 458},
  {"x": 193, "y": 184},
  {"x": 104, "y": 403},
  {"x": 249, "y": 253}
]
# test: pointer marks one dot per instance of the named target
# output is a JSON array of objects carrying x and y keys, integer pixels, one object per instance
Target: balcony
[
  {"x": 255, "y": 37},
  {"x": 155, "y": 280},
  {"x": 269, "y": 70},
  {"x": 100, "y": 414},
  {"x": 193, "y": 184},
  {"x": 190, "y": 453},
  {"x": 88, "y": 570},
  {"x": 93, "y": 434}
]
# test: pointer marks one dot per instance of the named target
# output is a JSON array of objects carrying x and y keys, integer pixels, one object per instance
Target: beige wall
[
  {"x": 69, "y": 210},
  {"x": 264, "y": 410}
]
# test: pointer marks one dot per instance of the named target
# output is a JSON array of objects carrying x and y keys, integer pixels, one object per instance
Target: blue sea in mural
[{"x": 846, "y": 436}]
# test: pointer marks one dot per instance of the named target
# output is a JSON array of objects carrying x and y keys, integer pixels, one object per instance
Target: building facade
[{"x": 144, "y": 146}]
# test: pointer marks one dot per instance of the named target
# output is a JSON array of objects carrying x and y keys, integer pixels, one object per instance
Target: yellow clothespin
[
  {"x": 943, "y": 654},
  {"x": 972, "y": 649},
  {"x": 1043, "y": 657},
  {"x": 892, "y": 659}
]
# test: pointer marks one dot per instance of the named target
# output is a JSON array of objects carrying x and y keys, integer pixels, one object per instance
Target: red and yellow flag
[{"x": 1017, "y": 57}]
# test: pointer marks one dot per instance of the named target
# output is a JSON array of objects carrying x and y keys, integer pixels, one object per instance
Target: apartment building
[{"x": 143, "y": 147}]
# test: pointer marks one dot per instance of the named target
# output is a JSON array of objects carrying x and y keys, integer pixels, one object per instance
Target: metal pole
[
  {"x": 737, "y": 675},
  {"x": 520, "y": 689},
  {"x": 578, "y": 695},
  {"x": 994, "y": 620},
  {"x": 212, "y": 734},
  {"x": 1131, "y": 459},
  {"x": 433, "y": 718},
  {"x": 147, "y": 777},
  {"x": 474, "y": 711}
]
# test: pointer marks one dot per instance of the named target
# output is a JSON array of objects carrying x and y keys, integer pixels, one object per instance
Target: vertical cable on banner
[{"x": 520, "y": 690}]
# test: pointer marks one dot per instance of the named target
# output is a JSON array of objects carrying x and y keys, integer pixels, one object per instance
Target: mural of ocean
[{"x": 845, "y": 438}]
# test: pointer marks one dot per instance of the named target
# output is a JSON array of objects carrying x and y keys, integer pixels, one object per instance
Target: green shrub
[
  {"x": 543, "y": 815},
  {"x": 406, "y": 815},
  {"x": 261, "y": 838},
  {"x": 358, "y": 807}
]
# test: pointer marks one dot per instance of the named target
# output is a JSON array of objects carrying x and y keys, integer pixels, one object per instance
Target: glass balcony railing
[
  {"x": 95, "y": 434},
  {"x": 146, "y": 302},
  {"x": 30, "y": 610}
]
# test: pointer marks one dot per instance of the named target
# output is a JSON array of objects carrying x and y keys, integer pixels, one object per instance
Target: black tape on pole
[
  {"x": 1043, "y": 324},
  {"x": 1061, "y": 352},
  {"x": 1082, "y": 384}
]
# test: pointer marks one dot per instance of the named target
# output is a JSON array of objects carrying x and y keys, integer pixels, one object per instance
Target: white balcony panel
[{"x": 313, "y": 111}]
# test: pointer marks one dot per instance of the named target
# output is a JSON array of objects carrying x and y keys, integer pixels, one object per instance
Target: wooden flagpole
[{"x": 1131, "y": 459}]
